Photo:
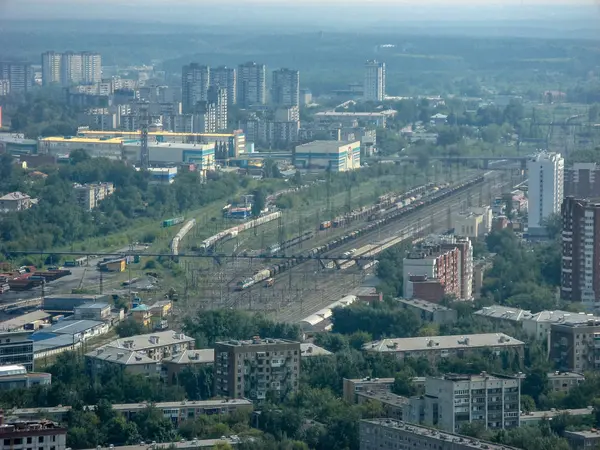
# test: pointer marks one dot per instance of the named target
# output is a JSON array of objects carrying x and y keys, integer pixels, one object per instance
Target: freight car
[{"x": 176, "y": 242}]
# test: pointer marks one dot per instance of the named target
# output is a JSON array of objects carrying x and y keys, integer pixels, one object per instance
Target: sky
[{"x": 301, "y": 11}]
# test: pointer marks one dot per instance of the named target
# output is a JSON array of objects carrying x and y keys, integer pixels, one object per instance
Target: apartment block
[
  {"x": 218, "y": 97},
  {"x": 51, "y": 68},
  {"x": 429, "y": 312},
  {"x": 430, "y": 272},
  {"x": 393, "y": 405},
  {"x": 389, "y": 434},
  {"x": 374, "y": 82},
  {"x": 225, "y": 77},
  {"x": 580, "y": 277},
  {"x": 251, "y": 84},
  {"x": 286, "y": 88},
  {"x": 253, "y": 368},
  {"x": 353, "y": 387},
  {"x": 26, "y": 435},
  {"x": 435, "y": 348},
  {"x": 582, "y": 180},
  {"x": 452, "y": 401},
  {"x": 20, "y": 76},
  {"x": 546, "y": 182},
  {"x": 16, "y": 348},
  {"x": 576, "y": 346},
  {"x": 15, "y": 201},
  {"x": 583, "y": 440},
  {"x": 90, "y": 195},
  {"x": 564, "y": 381},
  {"x": 195, "y": 80}
]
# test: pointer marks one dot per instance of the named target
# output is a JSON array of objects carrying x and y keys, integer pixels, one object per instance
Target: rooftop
[
  {"x": 151, "y": 340},
  {"x": 503, "y": 312},
  {"x": 562, "y": 375},
  {"x": 196, "y": 443},
  {"x": 386, "y": 113},
  {"x": 539, "y": 415},
  {"x": 330, "y": 146},
  {"x": 20, "y": 321},
  {"x": 91, "y": 297},
  {"x": 82, "y": 140},
  {"x": 71, "y": 327},
  {"x": 442, "y": 342},
  {"x": 257, "y": 341},
  {"x": 52, "y": 341},
  {"x": 120, "y": 356},
  {"x": 308, "y": 350},
  {"x": 423, "y": 305},
  {"x": 93, "y": 306},
  {"x": 199, "y": 356},
  {"x": 152, "y": 133},
  {"x": 26, "y": 426},
  {"x": 12, "y": 370},
  {"x": 371, "y": 380},
  {"x": 466, "y": 442},
  {"x": 587, "y": 434},
  {"x": 384, "y": 397},
  {"x": 15, "y": 196}
]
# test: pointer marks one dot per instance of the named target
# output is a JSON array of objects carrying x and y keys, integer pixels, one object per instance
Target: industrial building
[
  {"x": 16, "y": 348},
  {"x": 17, "y": 377},
  {"x": 389, "y": 434},
  {"x": 329, "y": 155},
  {"x": 78, "y": 330},
  {"x": 436, "y": 347},
  {"x": 239, "y": 368},
  {"x": 25, "y": 322},
  {"x": 66, "y": 303}
]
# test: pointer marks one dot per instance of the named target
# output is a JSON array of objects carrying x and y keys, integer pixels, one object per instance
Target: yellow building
[
  {"x": 162, "y": 308},
  {"x": 142, "y": 315},
  {"x": 114, "y": 266}
]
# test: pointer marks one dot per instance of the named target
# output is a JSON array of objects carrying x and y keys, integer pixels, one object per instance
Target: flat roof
[
  {"x": 384, "y": 397},
  {"x": 154, "y": 133},
  {"x": 93, "y": 306},
  {"x": 386, "y": 113},
  {"x": 423, "y": 305},
  {"x": 197, "y": 443},
  {"x": 326, "y": 145},
  {"x": 53, "y": 342},
  {"x": 559, "y": 375},
  {"x": 587, "y": 434},
  {"x": 432, "y": 433},
  {"x": 539, "y": 415},
  {"x": 69, "y": 326},
  {"x": 82, "y": 140},
  {"x": 371, "y": 380},
  {"x": 442, "y": 343},
  {"x": 20, "y": 321}
]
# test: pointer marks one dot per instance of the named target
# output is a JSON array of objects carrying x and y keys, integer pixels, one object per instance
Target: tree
[
  {"x": 259, "y": 202},
  {"x": 129, "y": 328},
  {"x": 223, "y": 446}
]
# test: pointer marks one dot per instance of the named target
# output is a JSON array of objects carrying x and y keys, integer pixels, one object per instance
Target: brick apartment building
[
  {"x": 582, "y": 180},
  {"x": 580, "y": 281},
  {"x": 431, "y": 272}
]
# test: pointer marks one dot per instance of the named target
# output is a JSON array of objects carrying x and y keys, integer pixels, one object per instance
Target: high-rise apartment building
[
  {"x": 225, "y": 77},
  {"x": 91, "y": 67},
  {"x": 251, "y": 84},
  {"x": 253, "y": 368},
  {"x": 51, "y": 66},
  {"x": 454, "y": 400},
  {"x": 546, "y": 179},
  {"x": 580, "y": 271},
  {"x": 583, "y": 180},
  {"x": 217, "y": 96},
  {"x": 205, "y": 117},
  {"x": 71, "y": 71},
  {"x": 573, "y": 345},
  {"x": 195, "y": 80},
  {"x": 286, "y": 88},
  {"x": 20, "y": 76},
  {"x": 374, "y": 84}
]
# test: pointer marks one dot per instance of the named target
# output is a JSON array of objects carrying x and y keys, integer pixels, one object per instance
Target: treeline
[{"x": 57, "y": 219}]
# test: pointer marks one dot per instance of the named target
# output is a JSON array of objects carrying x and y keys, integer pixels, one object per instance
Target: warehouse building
[
  {"x": 333, "y": 155},
  {"x": 161, "y": 153},
  {"x": 66, "y": 303}
]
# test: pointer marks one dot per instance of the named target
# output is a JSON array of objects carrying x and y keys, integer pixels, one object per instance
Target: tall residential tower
[
  {"x": 225, "y": 77},
  {"x": 374, "y": 84},
  {"x": 286, "y": 88},
  {"x": 546, "y": 179},
  {"x": 195, "y": 80},
  {"x": 251, "y": 84}
]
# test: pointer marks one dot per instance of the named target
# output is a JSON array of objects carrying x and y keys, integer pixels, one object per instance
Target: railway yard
[{"x": 292, "y": 283}]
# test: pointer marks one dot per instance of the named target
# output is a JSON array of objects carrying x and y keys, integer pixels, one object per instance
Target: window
[
  {"x": 7, "y": 442},
  {"x": 29, "y": 440},
  {"x": 40, "y": 438}
]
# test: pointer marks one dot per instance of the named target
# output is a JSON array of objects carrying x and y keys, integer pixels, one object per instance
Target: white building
[
  {"x": 91, "y": 67},
  {"x": 454, "y": 400},
  {"x": 546, "y": 172},
  {"x": 16, "y": 347},
  {"x": 374, "y": 85},
  {"x": 51, "y": 63},
  {"x": 334, "y": 155}
]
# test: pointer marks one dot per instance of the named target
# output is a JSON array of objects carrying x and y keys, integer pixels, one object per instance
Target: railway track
[{"x": 306, "y": 287}]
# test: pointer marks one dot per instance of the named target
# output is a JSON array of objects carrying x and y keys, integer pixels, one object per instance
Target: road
[{"x": 308, "y": 287}]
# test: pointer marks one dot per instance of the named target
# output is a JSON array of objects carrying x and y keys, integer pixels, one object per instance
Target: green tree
[{"x": 129, "y": 328}]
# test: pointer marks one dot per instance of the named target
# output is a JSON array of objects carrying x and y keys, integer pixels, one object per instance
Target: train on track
[
  {"x": 273, "y": 249},
  {"x": 391, "y": 214},
  {"x": 176, "y": 242}
]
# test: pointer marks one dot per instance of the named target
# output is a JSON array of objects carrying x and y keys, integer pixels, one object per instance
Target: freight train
[
  {"x": 391, "y": 215},
  {"x": 273, "y": 249},
  {"x": 180, "y": 235},
  {"x": 208, "y": 244}
]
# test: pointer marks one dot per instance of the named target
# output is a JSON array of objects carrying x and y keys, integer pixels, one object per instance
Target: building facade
[
  {"x": 582, "y": 180},
  {"x": 429, "y": 312},
  {"x": 580, "y": 277},
  {"x": 16, "y": 348},
  {"x": 452, "y": 401},
  {"x": 15, "y": 201},
  {"x": 26, "y": 435},
  {"x": 286, "y": 88},
  {"x": 20, "y": 76},
  {"x": 333, "y": 155},
  {"x": 430, "y": 271},
  {"x": 251, "y": 84},
  {"x": 51, "y": 67},
  {"x": 546, "y": 182},
  {"x": 225, "y": 77},
  {"x": 575, "y": 346},
  {"x": 374, "y": 84},
  {"x": 195, "y": 80},
  {"x": 251, "y": 369},
  {"x": 218, "y": 97},
  {"x": 353, "y": 387},
  {"x": 89, "y": 196}
]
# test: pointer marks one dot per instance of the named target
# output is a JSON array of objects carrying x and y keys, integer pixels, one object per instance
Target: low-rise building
[
  {"x": 66, "y": 303},
  {"x": 535, "y": 417},
  {"x": 564, "y": 381},
  {"x": 353, "y": 387},
  {"x": 393, "y": 405},
  {"x": 142, "y": 315},
  {"x": 388, "y": 434},
  {"x": 15, "y": 201},
  {"x": 308, "y": 350},
  {"x": 53, "y": 346},
  {"x": 26, "y": 322},
  {"x": 17, "y": 377},
  {"x": 469, "y": 224},
  {"x": 92, "y": 311},
  {"x": 436, "y": 347},
  {"x": 538, "y": 326},
  {"x": 157, "y": 346},
  {"x": 582, "y": 440},
  {"x": 24, "y": 435},
  {"x": 188, "y": 359},
  {"x": 128, "y": 360},
  {"x": 16, "y": 347},
  {"x": 79, "y": 330},
  {"x": 498, "y": 313},
  {"x": 429, "y": 311},
  {"x": 90, "y": 195}
]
